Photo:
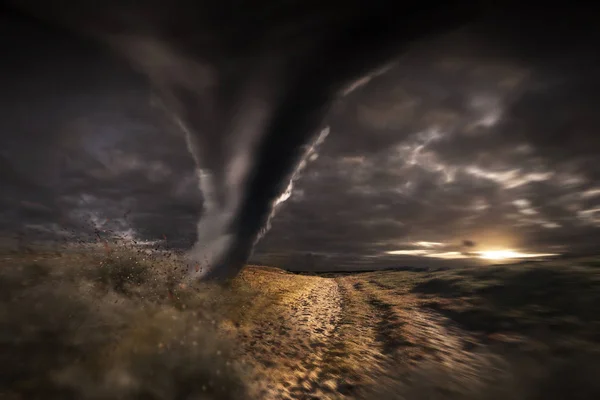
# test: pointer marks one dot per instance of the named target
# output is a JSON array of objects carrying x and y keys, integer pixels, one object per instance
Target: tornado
[{"x": 249, "y": 83}]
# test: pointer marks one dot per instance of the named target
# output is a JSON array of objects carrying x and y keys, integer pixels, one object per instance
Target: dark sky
[{"x": 483, "y": 138}]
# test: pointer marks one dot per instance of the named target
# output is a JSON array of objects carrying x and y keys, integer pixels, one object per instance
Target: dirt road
[
  {"x": 417, "y": 335},
  {"x": 339, "y": 338},
  {"x": 290, "y": 351}
]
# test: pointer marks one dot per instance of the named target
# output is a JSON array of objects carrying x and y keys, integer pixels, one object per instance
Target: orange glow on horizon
[{"x": 509, "y": 254}]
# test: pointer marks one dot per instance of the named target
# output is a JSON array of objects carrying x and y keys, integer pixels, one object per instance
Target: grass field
[{"x": 126, "y": 326}]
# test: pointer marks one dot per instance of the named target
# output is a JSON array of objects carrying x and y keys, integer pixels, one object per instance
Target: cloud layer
[{"x": 487, "y": 134}]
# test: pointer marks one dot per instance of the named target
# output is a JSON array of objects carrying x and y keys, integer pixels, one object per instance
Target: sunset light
[{"x": 508, "y": 254}]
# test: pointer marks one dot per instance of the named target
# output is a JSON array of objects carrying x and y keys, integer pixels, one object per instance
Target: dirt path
[
  {"x": 345, "y": 337},
  {"x": 289, "y": 353},
  {"x": 316, "y": 317}
]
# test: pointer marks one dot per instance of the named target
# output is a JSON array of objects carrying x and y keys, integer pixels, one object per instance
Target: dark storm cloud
[
  {"x": 487, "y": 134},
  {"x": 250, "y": 83},
  {"x": 81, "y": 143}
]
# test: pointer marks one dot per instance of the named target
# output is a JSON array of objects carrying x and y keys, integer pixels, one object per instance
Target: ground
[{"x": 123, "y": 325}]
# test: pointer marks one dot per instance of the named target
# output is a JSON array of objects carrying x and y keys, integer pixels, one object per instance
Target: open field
[{"x": 124, "y": 326}]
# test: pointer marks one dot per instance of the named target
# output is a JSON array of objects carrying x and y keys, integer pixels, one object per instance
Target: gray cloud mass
[{"x": 484, "y": 138}]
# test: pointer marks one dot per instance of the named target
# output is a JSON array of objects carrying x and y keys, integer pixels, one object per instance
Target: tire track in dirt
[
  {"x": 380, "y": 285},
  {"x": 388, "y": 321},
  {"x": 388, "y": 325},
  {"x": 426, "y": 336},
  {"x": 289, "y": 352},
  {"x": 339, "y": 338},
  {"x": 355, "y": 356},
  {"x": 318, "y": 316}
]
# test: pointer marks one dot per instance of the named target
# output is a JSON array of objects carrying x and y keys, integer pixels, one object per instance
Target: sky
[{"x": 483, "y": 138}]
